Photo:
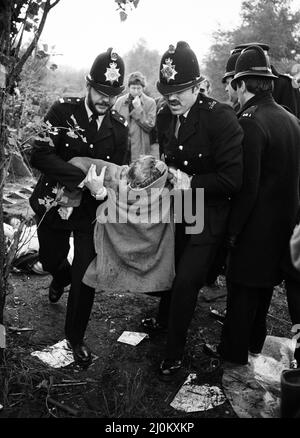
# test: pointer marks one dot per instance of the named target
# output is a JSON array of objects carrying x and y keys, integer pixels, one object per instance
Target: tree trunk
[
  {"x": 14, "y": 66},
  {"x": 2, "y": 243}
]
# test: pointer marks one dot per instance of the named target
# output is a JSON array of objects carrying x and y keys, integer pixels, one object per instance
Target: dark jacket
[
  {"x": 285, "y": 94},
  {"x": 209, "y": 148},
  {"x": 264, "y": 212},
  {"x": 51, "y": 158}
]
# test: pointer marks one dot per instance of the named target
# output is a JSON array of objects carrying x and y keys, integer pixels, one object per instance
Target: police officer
[
  {"x": 283, "y": 91},
  {"x": 220, "y": 261},
  {"x": 264, "y": 211},
  {"x": 226, "y": 80},
  {"x": 202, "y": 139},
  {"x": 76, "y": 127}
]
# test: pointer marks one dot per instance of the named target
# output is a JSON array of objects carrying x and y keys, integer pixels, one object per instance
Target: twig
[
  {"x": 63, "y": 407},
  {"x": 68, "y": 384},
  {"x": 279, "y": 319}
]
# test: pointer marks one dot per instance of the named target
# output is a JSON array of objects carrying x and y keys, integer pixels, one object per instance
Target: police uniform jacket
[
  {"x": 264, "y": 211},
  {"x": 71, "y": 136},
  {"x": 209, "y": 148},
  {"x": 285, "y": 94}
]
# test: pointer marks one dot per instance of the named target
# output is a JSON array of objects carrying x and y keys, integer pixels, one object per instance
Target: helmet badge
[
  {"x": 112, "y": 73},
  {"x": 168, "y": 71}
]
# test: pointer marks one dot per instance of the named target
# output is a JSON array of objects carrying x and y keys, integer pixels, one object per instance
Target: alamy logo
[{"x": 155, "y": 205}]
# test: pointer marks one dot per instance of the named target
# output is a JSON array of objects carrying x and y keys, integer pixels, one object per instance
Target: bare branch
[
  {"x": 18, "y": 67},
  {"x": 54, "y": 4}
]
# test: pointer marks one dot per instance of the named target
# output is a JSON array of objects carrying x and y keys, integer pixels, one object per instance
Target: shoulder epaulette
[
  {"x": 288, "y": 76},
  {"x": 249, "y": 112},
  {"x": 72, "y": 100},
  {"x": 117, "y": 116},
  {"x": 207, "y": 103}
]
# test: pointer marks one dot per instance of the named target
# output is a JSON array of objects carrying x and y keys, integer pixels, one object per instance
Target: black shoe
[
  {"x": 55, "y": 291},
  {"x": 151, "y": 325},
  {"x": 211, "y": 350},
  {"x": 81, "y": 352},
  {"x": 169, "y": 367}
]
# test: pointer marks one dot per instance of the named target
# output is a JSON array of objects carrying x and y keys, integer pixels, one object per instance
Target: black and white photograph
[{"x": 149, "y": 213}]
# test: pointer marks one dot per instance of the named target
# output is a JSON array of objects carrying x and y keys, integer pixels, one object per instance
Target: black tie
[
  {"x": 182, "y": 120},
  {"x": 93, "y": 126}
]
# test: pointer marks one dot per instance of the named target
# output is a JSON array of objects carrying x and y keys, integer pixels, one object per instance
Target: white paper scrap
[
  {"x": 195, "y": 398},
  {"x": 132, "y": 338},
  {"x": 57, "y": 356}
]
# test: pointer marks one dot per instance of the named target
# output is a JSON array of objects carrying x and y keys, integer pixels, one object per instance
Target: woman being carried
[{"x": 134, "y": 229}]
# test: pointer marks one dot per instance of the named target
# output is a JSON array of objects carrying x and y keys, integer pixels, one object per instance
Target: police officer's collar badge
[
  {"x": 112, "y": 73},
  {"x": 168, "y": 71}
]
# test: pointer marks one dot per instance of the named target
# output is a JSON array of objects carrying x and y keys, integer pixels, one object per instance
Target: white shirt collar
[
  {"x": 90, "y": 113},
  {"x": 186, "y": 113}
]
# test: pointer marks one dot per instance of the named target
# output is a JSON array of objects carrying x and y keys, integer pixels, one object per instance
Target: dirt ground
[{"x": 123, "y": 382}]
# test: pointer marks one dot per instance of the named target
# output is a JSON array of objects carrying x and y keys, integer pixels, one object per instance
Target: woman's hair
[
  {"x": 137, "y": 78},
  {"x": 144, "y": 171}
]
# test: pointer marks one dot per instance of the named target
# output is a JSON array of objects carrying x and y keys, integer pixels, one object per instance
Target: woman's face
[{"x": 135, "y": 90}]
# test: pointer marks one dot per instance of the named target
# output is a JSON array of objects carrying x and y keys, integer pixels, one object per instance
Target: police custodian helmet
[
  {"x": 243, "y": 46},
  {"x": 179, "y": 69},
  {"x": 107, "y": 73},
  {"x": 230, "y": 66},
  {"x": 252, "y": 62}
]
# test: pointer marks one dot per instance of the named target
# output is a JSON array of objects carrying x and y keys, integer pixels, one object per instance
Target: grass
[{"x": 123, "y": 382}]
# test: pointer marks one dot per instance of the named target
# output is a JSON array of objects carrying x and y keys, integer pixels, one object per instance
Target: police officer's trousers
[
  {"x": 244, "y": 328},
  {"x": 54, "y": 248},
  {"x": 193, "y": 263}
]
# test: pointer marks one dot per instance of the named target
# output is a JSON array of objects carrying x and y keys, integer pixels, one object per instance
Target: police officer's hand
[
  {"x": 94, "y": 182},
  {"x": 179, "y": 179},
  {"x": 172, "y": 172}
]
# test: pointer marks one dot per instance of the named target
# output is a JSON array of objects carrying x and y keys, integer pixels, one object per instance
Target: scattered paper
[
  {"x": 132, "y": 338},
  {"x": 254, "y": 389},
  {"x": 57, "y": 356},
  {"x": 2, "y": 337},
  {"x": 195, "y": 398}
]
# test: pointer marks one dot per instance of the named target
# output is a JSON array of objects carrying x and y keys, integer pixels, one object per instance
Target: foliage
[
  {"x": 16, "y": 18},
  {"x": 268, "y": 21},
  {"x": 124, "y": 6}
]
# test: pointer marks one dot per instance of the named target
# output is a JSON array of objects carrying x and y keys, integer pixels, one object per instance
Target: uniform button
[
  {"x": 91, "y": 146},
  {"x": 67, "y": 145},
  {"x": 180, "y": 147},
  {"x": 185, "y": 163},
  {"x": 200, "y": 155},
  {"x": 108, "y": 157},
  {"x": 200, "y": 101}
]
